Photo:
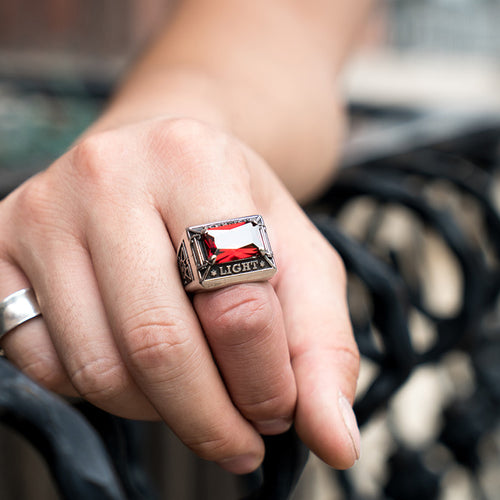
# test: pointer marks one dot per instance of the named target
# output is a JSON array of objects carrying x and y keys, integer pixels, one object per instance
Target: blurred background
[
  {"x": 430, "y": 52},
  {"x": 418, "y": 53},
  {"x": 424, "y": 69}
]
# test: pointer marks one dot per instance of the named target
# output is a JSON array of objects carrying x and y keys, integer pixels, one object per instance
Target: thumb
[{"x": 324, "y": 355}]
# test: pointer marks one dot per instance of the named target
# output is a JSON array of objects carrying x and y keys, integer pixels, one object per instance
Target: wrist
[
  {"x": 295, "y": 124},
  {"x": 275, "y": 90},
  {"x": 168, "y": 92}
]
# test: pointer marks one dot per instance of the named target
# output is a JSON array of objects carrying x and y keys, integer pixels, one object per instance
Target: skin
[{"x": 232, "y": 111}]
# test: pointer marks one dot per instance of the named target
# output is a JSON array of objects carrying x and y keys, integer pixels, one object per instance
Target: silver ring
[
  {"x": 16, "y": 309},
  {"x": 225, "y": 253}
]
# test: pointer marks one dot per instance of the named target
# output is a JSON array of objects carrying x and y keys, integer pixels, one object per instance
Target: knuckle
[
  {"x": 93, "y": 161},
  {"x": 100, "y": 379},
  {"x": 191, "y": 146},
  {"x": 39, "y": 215},
  {"x": 183, "y": 136},
  {"x": 242, "y": 316},
  {"x": 101, "y": 173},
  {"x": 158, "y": 347},
  {"x": 347, "y": 360},
  {"x": 349, "y": 354},
  {"x": 46, "y": 371},
  {"x": 213, "y": 448},
  {"x": 33, "y": 202},
  {"x": 276, "y": 406},
  {"x": 89, "y": 154}
]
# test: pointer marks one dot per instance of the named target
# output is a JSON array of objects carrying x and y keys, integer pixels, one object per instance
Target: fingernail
[
  {"x": 272, "y": 427},
  {"x": 240, "y": 465},
  {"x": 350, "y": 423}
]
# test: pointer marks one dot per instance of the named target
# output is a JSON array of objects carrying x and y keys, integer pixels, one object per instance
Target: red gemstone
[{"x": 232, "y": 242}]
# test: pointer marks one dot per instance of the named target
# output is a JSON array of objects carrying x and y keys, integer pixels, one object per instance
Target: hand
[{"x": 96, "y": 234}]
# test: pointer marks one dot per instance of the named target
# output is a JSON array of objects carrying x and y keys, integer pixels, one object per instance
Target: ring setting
[{"x": 224, "y": 253}]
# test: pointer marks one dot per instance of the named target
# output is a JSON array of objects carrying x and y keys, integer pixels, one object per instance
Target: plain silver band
[{"x": 16, "y": 309}]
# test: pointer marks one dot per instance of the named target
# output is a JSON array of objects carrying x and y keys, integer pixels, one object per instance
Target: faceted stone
[{"x": 232, "y": 242}]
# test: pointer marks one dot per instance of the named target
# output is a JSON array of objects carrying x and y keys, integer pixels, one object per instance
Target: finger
[
  {"x": 65, "y": 282},
  {"x": 244, "y": 327},
  {"x": 160, "y": 338},
  {"x": 324, "y": 355},
  {"x": 243, "y": 323},
  {"x": 29, "y": 346}
]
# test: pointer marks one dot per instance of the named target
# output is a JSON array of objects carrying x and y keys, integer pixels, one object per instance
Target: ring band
[
  {"x": 16, "y": 309},
  {"x": 224, "y": 253}
]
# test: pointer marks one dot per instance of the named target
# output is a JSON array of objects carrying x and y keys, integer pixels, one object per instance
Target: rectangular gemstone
[{"x": 232, "y": 242}]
